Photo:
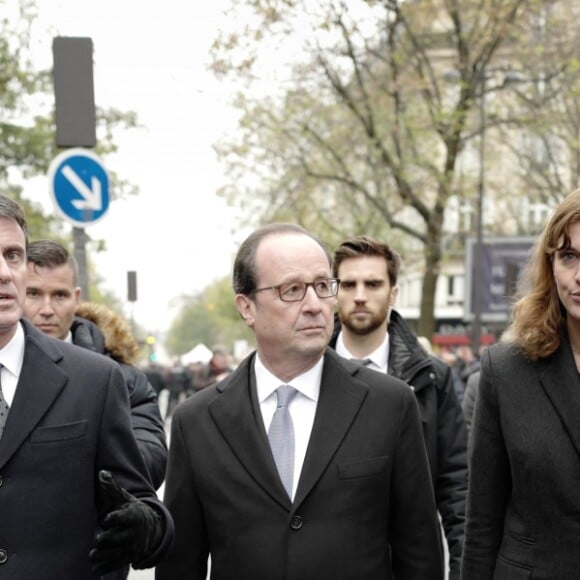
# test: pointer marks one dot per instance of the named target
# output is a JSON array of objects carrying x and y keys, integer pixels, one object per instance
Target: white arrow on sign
[{"x": 93, "y": 198}]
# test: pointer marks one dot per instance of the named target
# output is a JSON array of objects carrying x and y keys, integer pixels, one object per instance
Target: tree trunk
[
  {"x": 426, "y": 325},
  {"x": 433, "y": 256}
]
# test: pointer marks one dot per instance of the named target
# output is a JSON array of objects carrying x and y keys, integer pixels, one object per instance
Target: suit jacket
[
  {"x": 69, "y": 419},
  {"x": 443, "y": 427},
  {"x": 364, "y": 505},
  {"x": 523, "y": 509}
]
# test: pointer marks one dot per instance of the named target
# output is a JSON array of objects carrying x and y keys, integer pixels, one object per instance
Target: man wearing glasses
[{"x": 299, "y": 464}]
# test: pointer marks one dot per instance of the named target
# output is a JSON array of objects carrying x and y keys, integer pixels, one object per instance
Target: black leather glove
[{"x": 131, "y": 529}]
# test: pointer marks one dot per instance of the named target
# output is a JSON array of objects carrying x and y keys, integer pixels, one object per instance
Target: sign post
[
  {"x": 79, "y": 187},
  {"x": 76, "y": 127},
  {"x": 80, "y": 239}
]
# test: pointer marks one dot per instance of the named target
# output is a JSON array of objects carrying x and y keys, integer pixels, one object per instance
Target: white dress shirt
[
  {"x": 302, "y": 408},
  {"x": 11, "y": 357},
  {"x": 379, "y": 358}
]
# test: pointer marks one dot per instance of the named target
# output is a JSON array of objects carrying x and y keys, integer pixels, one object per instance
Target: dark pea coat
[
  {"x": 523, "y": 507},
  {"x": 364, "y": 505},
  {"x": 69, "y": 418}
]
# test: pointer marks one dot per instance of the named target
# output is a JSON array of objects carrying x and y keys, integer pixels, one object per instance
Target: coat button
[
  {"x": 1, "y": 481},
  {"x": 296, "y": 522},
  {"x": 3, "y": 556}
]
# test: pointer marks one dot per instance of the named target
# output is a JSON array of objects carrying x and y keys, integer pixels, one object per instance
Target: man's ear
[
  {"x": 77, "y": 295},
  {"x": 393, "y": 294},
  {"x": 245, "y": 308}
]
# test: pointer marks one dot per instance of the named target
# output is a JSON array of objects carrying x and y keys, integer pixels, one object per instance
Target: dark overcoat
[
  {"x": 364, "y": 505},
  {"x": 69, "y": 419},
  {"x": 523, "y": 508}
]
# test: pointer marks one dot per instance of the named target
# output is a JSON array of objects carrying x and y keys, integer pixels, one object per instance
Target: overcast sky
[{"x": 152, "y": 58}]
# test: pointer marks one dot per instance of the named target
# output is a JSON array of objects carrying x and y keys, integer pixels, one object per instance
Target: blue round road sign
[{"x": 79, "y": 186}]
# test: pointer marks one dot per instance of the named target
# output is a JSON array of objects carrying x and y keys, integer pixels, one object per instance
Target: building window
[
  {"x": 455, "y": 290},
  {"x": 537, "y": 215}
]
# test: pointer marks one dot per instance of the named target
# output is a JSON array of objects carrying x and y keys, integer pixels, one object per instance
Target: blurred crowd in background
[{"x": 177, "y": 381}]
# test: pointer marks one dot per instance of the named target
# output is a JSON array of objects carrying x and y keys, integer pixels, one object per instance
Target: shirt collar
[
  {"x": 379, "y": 357},
  {"x": 307, "y": 383},
  {"x": 12, "y": 355}
]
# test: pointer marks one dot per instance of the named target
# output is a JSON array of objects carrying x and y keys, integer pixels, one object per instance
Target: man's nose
[
  {"x": 5, "y": 271},
  {"x": 360, "y": 293},
  {"x": 46, "y": 306},
  {"x": 311, "y": 299}
]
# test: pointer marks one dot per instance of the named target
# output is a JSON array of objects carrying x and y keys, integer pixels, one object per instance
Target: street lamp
[
  {"x": 508, "y": 79},
  {"x": 454, "y": 76},
  {"x": 478, "y": 257}
]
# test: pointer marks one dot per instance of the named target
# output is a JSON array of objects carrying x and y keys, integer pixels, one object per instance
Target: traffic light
[
  {"x": 132, "y": 286},
  {"x": 74, "y": 93},
  {"x": 150, "y": 342}
]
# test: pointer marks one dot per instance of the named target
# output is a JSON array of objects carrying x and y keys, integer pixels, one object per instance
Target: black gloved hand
[{"x": 131, "y": 529}]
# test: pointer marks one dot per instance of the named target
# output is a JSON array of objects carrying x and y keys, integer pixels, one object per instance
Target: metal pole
[
  {"x": 80, "y": 239},
  {"x": 478, "y": 279}
]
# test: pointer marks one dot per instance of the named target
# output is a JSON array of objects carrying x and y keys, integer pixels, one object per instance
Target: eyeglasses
[{"x": 295, "y": 291}]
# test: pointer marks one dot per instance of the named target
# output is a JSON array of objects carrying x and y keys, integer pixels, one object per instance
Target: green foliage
[
  {"x": 364, "y": 132},
  {"x": 39, "y": 224},
  {"x": 26, "y": 139},
  {"x": 209, "y": 317}
]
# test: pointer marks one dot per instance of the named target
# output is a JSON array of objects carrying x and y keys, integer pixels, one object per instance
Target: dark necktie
[
  {"x": 364, "y": 362},
  {"x": 3, "y": 409},
  {"x": 281, "y": 436}
]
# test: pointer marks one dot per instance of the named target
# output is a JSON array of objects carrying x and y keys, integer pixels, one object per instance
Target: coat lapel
[
  {"x": 39, "y": 385},
  {"x": 237, "y": 415},
  {"x": 341, "y": 397},
  {"x": 561, "y": 383}
]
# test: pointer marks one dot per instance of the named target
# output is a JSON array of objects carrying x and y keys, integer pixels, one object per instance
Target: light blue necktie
[
  {"x": 365, "y": 362},
  {"x": 3, "y": 408},
  {"x": 281, "y": 436}
]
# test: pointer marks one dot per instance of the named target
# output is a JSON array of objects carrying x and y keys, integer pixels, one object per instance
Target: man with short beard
[{"x": 367, "y": 328}]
